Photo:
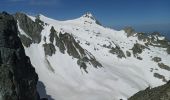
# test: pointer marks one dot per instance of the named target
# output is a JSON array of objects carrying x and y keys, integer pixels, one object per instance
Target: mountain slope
[{"x": 80, "y": 59}]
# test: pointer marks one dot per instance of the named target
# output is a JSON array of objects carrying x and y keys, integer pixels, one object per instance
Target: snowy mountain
[{"x": 80, "y": 59}]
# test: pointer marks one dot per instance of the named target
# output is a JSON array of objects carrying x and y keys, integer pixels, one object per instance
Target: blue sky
[{"x": 143, "y": 15}]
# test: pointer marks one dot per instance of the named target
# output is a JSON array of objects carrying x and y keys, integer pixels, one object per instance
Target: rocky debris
[
  {"x": 130, "y": 31},
  {"x": 17, "y": 76},
  {"x": 157, "y": 93},
  {"x": 128, "y": 54},
  {"x": 156, "y": 59},
  {"x": 117, "y": 50},
  {"x": 31, "y": 28},
  {"x": 159, "y": 76},
  {"x": 49, "y": 49},
  {"x": 163, "y": 66}
]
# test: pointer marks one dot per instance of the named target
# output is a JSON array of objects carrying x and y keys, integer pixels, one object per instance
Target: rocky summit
[{"x": 17, "y": 76}]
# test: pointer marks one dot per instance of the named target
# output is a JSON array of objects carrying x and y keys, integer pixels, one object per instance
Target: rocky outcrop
[
  {"x": 59, "y": 43},
  {"x": 168, "y": 50},
  {"x": 159, "y": 76},
  {"x": 117, "y": 50},
  {"x": 76, "y": 51},
  {"x": 49, "y": 49},
  {"x": 163, "y": 66},
  {"x": 31, "y": 28},
  {"x": 142, "y": 36},
  {"x": 128, "y": 54},
  {"x": 17, "y": 76},
  {"x": 66, "y": 43},
  {"x": 130, "y": 31},
  {"x": 156, "y": 59},
  {"x": 138, "y": 49},
  {"x": 158, "y": 93}
]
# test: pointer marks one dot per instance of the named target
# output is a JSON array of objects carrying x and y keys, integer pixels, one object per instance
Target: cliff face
[{"x": 17, "y": 76}]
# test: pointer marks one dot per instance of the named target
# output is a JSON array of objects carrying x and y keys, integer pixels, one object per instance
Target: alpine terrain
[{"x": 80, "y": 59}]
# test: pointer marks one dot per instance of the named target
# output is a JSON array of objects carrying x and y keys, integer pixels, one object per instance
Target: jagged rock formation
[
  {"x": 17, "y": 76},
  {"x": 31, "y": 28},
  {"x": 158, "y": 93},
  {"x": 66, "y": 42}
]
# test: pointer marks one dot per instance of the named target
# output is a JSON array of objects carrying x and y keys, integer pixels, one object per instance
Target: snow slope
[{"x": 119, "y": 78}]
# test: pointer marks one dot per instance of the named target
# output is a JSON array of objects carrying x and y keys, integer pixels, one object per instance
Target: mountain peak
[{"x": 89, "y": 15}]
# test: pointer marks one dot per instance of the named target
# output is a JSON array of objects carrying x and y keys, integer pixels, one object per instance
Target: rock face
[
  {"x": 31, "y": 28},
  {"x": 158, "y": 93},
  {"x": 17, "y": 76}
]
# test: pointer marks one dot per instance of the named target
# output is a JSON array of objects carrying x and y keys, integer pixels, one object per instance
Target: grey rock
[
  {"x": 157, "y": 93},
  {"x": 31, "y": 28},
  {"x": 52, "y": 34},
  {"x": 163, "y": 66},
  {"x": 130, "y": 31},
  {"x": 168, "y": 50},
  {"x": 60, "y": 43},
  {"x": 17, "y": 76},
  {"x": 25, "y": 40},
  {"x": 49, "y": 49},
  {"x": 137, "y": 49},
  {"x": 142, "y": 37},
  {"x": 159, "y": 76},
  {"x": 70, "y": 43},
  {"x": 128, "y": 53},
  {"x": 117, "y": 50},
  {"x": 157, "y": 59}
]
